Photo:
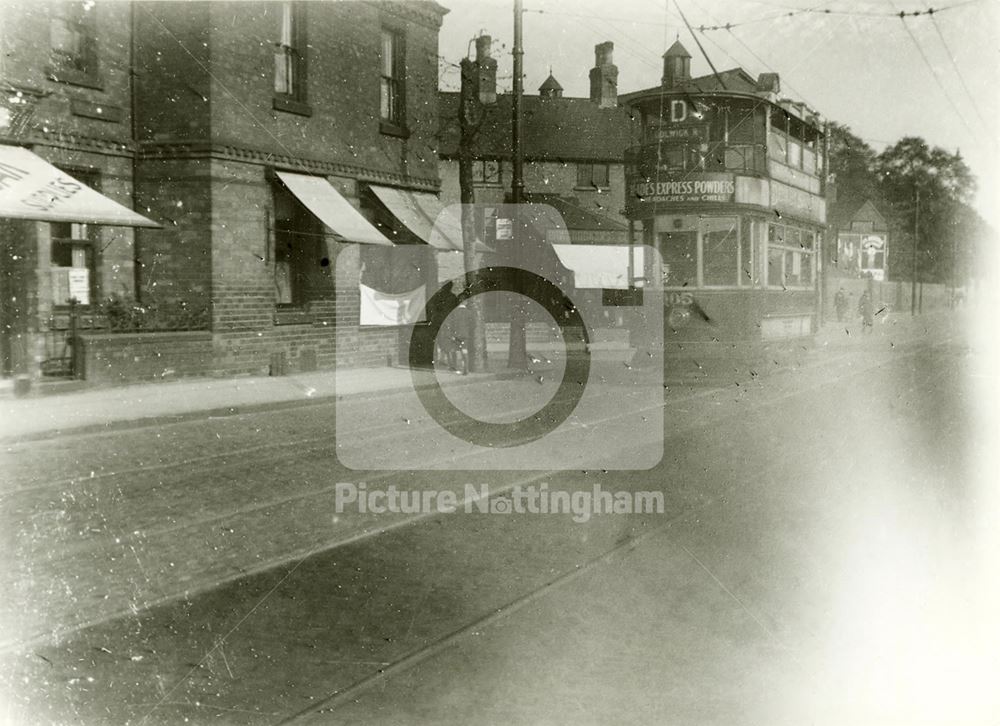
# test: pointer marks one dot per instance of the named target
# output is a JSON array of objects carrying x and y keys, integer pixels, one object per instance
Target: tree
[
  {"x": 852, "y": 160},
  {"x": 927, "y": 191}
]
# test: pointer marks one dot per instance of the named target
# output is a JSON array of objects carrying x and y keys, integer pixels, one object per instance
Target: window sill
[
  {"x": 74, "y": 77},
  {"x": 292, "y": 317},
  {"x": 391, "y": 129},
  {"x": 290, "y": 105},
  {"x": 591, "y": 188}
]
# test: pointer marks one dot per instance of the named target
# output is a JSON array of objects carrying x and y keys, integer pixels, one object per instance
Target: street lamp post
[{"x": 517, "y": 356}]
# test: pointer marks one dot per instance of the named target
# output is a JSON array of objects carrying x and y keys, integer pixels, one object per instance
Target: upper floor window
[
  {"x": 485, "y": 171},
  {"x": 392, "y": 77},
  {"x": 290, "y": 55},
  {"x": 795, "y": 143},
  {"x": 73, "y": 36},
  {"x": 592, "y": 175}
]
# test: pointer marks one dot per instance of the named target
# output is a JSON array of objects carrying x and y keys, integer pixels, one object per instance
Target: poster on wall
[{"x": 79, "y": 285}]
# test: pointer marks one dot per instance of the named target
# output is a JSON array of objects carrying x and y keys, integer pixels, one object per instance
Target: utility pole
[
  {"x": 472, "y": 99},
  {"x": 916, "y": 237},
  {"x": 518, "y": 348}
]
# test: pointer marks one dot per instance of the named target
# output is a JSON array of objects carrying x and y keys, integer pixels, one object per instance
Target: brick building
[
  {"x": 67, "y": 98},
  {"x": 259, "y": 135},
  {"x": 573, "y": 150}
]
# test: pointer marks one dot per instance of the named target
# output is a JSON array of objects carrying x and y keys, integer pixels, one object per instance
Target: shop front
[{"x": 60, "y": 258}]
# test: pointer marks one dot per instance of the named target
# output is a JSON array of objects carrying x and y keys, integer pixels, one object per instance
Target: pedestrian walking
[
  {"x": 455, "y": 331},
  {"x": 866, "y": 309},
  {"x": 840, "y": 304}
]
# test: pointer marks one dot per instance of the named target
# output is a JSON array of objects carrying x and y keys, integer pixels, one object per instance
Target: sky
[{"x": 860, "y": 64}]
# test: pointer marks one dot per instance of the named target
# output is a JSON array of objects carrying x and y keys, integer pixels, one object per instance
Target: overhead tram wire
[
  {"x": 820, "y": 10},
  {"x": 627, "y": 47},
  {"x": 961, "y": 79},
  {"x": 934, "y": 73},
  {"x": 700, "y": 47}
]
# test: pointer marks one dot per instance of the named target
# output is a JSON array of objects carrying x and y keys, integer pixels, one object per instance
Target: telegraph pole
[
  {"x": 472, "y": 99},
  {"x": 916, "y": 237},
  {"x": 518, "y": 349}
]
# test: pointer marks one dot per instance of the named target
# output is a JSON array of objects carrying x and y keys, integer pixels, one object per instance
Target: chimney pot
[
  {"x": 604, "y": 76},
  {"x": 487, "y": 69}
]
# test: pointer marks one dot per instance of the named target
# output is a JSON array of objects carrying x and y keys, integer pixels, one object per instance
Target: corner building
[{"x": 263, "y": 131}]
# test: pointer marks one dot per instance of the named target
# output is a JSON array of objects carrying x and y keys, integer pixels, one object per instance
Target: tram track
[
  {"x": 351, "y": 693},
  {"x": 187, "y": 529}
]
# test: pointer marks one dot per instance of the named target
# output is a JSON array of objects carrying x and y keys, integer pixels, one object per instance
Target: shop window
[
  {"x": 73, "y": 38},
  {"x": 486, "y": 171},
  {"x": 72, "y": 264},
  {"x": 679, "y": 253},
  {"x": 719, "y": 249},
  {"x": 299, "y": 250},
  {"x": 73, "y": 259},
  {"x": 392, "y": 89},
  {"x": 592, "y": 175},
  {"x": 290, "y": 54}
]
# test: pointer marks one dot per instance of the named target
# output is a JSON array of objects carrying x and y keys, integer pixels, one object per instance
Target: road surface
[{"x": 824, "y": 555}]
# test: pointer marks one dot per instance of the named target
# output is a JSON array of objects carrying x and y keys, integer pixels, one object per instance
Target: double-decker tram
[{"x": 727, "y": 183}]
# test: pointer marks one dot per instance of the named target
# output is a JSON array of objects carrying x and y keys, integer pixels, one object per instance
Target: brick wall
[
  {"x": 544, "y": 178},
  {"x": 343, "y": 84},
  {"x": 126, "y": 358},
  {"x": 175, "y": 262}
]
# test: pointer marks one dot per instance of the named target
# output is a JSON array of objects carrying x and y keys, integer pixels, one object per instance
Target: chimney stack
[
  {"x": 487, "y": 66},
  {"x": 676, "y": 66},
  {"x": 604, "y": 76}
]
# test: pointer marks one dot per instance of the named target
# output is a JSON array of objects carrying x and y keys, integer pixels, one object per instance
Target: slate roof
[
  {"x": 554, "y": 129},
  {"x": 843, "y": 213},
  {"x": 550, "y": 84},
  {"x": 576, "y": 216}
]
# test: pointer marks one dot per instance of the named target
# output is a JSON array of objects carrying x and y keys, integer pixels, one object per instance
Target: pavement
[{"x": 105, "y": 407}]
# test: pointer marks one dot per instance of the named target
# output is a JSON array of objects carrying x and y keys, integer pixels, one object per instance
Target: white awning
[
  {"x": 320, "y": 198},
  {"x": 602, "y": 266},
  {"x": 426, "y": 217},
  {"x": 31, "y": 188}
]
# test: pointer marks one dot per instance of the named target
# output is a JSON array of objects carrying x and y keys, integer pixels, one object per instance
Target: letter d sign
[{"x": 678, "y": 110}]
